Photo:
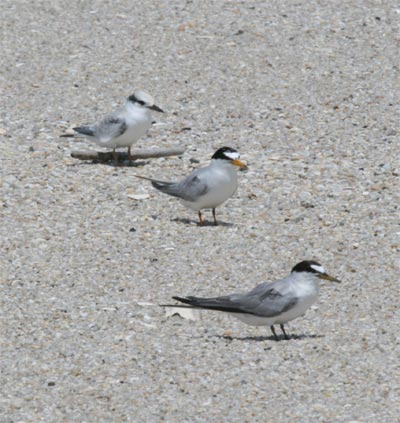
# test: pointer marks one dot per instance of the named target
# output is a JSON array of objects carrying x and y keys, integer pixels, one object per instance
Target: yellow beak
[
  {"x": 239, "y": 163},
  {"x": 326, "y": 277}
]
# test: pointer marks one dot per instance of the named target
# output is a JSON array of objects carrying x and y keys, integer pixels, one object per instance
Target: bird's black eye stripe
[{"x": 133, "y": 99}]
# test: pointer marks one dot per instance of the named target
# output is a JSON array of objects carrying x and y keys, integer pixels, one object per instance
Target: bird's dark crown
[
  {"x": 220, "y": 153},
  {"x": 307, "y": 266}
]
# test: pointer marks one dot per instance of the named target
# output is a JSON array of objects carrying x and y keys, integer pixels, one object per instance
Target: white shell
[{"x": 185, "y": 313}]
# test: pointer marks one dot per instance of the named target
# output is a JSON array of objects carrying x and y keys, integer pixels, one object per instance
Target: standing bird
[
  {"x": 123, "y": 127},
  {"x": 208, "y": 187},
  {"x": 269, "y": 304}
]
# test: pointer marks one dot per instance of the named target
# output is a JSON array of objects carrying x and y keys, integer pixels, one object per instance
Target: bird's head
[
  {"x": 228, "y": 155},
  {"x": 142, "y": 99},
  {"x": 313, "y": 268}
]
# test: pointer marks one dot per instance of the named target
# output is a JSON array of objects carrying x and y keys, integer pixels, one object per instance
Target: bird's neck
[
  {"x": 135, "y": 109},
  {"x": 223, "y": 164},
  {"x": 309, "y": 283}
]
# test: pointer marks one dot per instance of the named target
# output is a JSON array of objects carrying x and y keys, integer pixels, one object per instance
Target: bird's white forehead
[
  {"x": 233, "y": 155},
  {"x": 141, "y": 95},
  {"x": 317, "y": 268}
]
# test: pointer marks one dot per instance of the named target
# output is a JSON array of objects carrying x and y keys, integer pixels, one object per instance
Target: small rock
[
  {"x": 387, "y": 167},
  {"x": 305, "y": 196},
  {"x": 185, "y": 313},
  {"x": 138, "y": 196},
  {"x": 69, "y": 132}
]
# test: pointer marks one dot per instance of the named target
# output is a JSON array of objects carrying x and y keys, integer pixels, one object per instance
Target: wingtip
[
  {"x": 185, "y": 300},
  {"x": 84, "y": 130},
  {"x": 141, "y": 177},
  {"x": 155, "y": 184},
  {"x": 159, "y": 185},
  {"x": 178, "y": 298}
]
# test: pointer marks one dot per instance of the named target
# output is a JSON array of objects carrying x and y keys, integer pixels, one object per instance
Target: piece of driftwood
[{"x": 105, "y": 156}]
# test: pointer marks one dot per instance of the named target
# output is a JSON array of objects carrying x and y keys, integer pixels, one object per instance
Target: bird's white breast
[
  {"x": 306, "y": 291},
  {"x": 138, "y": 122},
  {"x": 221, "y": 183}
]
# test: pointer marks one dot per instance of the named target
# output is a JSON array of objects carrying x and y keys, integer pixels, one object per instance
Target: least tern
[
  {"x": 123, "y": 127},
  {"x": 208, "y": 187},
  {"x": 269, "y": 304}
]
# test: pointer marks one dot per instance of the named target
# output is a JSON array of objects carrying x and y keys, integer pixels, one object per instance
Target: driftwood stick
[{"x": 105, "y": 156}]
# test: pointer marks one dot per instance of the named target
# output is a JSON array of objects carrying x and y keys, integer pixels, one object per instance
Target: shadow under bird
[
  {"x": 123, "y": 127},
  {"x": 269, "y": 304},
  {"x": 208, "y": 187}
]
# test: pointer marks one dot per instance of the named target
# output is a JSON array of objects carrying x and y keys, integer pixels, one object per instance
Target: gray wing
[
  {"x": 271, "y": 303},
  {"x": 193, "y": 187},
  {"x": 84, "y": 130},
  {"x": 225, "y": 303},
  {"x": 265, "y": 300},
  {"x": 170, "y": 188},
  {"x": 190, "y": 189},
  {"x": 269, "y": 299},
  {"x": 109, "y": 128}
]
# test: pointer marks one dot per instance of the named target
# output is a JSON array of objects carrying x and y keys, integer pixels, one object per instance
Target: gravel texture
[{"x": 308, "y": 91}]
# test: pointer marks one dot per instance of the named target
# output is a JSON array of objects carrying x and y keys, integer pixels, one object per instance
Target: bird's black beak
[
  {"x": 155, "y": 108},
  {"x": 327, "y": 277}
]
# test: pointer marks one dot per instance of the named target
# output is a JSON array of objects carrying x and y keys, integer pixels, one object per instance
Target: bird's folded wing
[
  {"x": 218, "y": 303},
  {"x": 84, "y": 130},
  {"x": 268, "y": 303},
  {"x": 189, "y": 189},
  {"x": 192, "y": 188},
  {"x": 170, "y": 188},
  {"x": 111, "y": 127}
]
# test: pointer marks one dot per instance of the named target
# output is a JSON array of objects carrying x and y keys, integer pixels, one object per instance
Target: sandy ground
[{"x": 307, "y": 91}]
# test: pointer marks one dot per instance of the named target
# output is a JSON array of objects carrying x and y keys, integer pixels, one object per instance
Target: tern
[
  {"x": 269, "y": 304},
  {"x": 208, "y": 187},
  {"x": 123, "y": 127}
]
